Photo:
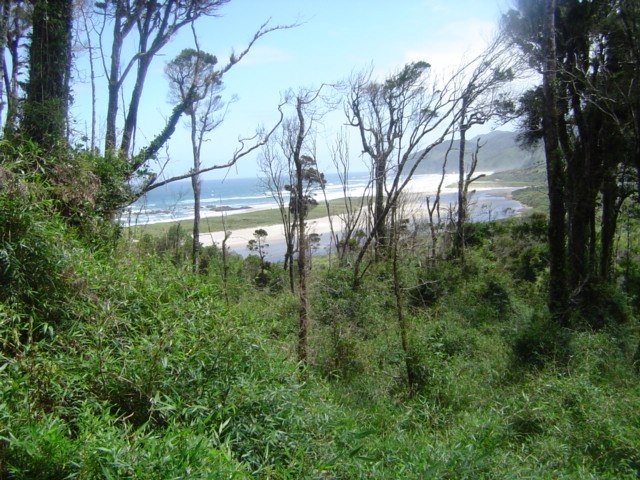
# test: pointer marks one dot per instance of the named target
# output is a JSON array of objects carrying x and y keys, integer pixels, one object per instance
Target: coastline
[{"x": 321, "y": 226}]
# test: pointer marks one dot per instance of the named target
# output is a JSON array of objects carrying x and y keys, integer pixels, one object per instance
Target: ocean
[{"x": 237, "y": 195}]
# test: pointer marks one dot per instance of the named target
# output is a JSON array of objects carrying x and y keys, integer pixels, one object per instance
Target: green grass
[
  {"x": 534, "y": 197},
  {"x": 237, "y": 221}
]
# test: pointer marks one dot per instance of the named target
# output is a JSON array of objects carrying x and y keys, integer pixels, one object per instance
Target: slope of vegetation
[
  {"x": 483, "y": 350},
  {"x": 118, "y": 362}
]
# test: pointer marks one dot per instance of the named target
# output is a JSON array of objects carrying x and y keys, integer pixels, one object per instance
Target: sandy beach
[
  {"x": 239, "y": 238},
  {"x": 490, "y": 200}
]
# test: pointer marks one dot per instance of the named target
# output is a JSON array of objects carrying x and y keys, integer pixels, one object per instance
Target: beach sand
[
  {"x": 239, "y": 238},
  {"x": 414, "y": 208}
]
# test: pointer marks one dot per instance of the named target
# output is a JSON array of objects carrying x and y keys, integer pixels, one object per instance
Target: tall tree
[
  {"x": 292, "y": 155},
  {"x": 558, "y": 294},
  {"x": 193, "y": 77},
  {"x": 154, "y": 23},
  {"x": 582, "y": 113},
  {"x": 47, "y": 89},
  {"x": 399, "y": 120},
  {"x": 483, "y": 97}
]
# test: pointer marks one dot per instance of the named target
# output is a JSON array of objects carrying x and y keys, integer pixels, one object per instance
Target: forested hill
[{"x": 499, "y": 152}]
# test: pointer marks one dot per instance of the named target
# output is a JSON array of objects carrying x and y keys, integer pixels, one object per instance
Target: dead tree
[{"x": 296, "y": 148}]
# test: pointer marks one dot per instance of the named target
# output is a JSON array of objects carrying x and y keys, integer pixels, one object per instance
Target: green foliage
[
  {"x": 539, "y": 341},
  {"x": 36, "y": 275},
  {"x": 138, "y": 368},
  {"x": 175, "y": 244},
  {"x": 433, "y": 284}
]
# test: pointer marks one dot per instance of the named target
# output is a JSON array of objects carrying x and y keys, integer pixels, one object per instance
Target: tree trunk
[
  {"x": 558, "y": 295},
  {"x": 608, "y": 226},
  {"x": 131, "y": 121},
  {"x": 402, "y": 321},
  {"x": 196, "y": 185},
  {"x": 195, "y": 250},
  {"x": 113, "y": 88},
  {"x": 4, "y": 24},
  {"x": 458, "y": 246},
  {"x": 303, "y": 307},
  {"x": 45, "y": 109},
  {"x": 10, "y": 78},
  {"x": 378, "y": 210}
]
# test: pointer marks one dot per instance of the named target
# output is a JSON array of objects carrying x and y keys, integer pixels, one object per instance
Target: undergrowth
[{"x": 117, "y": 362}]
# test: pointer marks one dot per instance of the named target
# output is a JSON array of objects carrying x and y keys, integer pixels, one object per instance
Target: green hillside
[
  {"x": 499, "y": 152},
  {"x": 117, "y": 361}
]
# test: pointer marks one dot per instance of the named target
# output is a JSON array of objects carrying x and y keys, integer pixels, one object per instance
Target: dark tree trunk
[
  {"x": 402, "y": 320},
  {"x": 558, "y": 295},
  {"x": 303, "y": 306},
  {"x": 195, "y": 250},
  {"x": 45, "y": 109},
  {"x": 608, "y": 226}
]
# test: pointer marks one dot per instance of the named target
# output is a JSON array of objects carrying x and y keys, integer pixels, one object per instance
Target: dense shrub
[
  {"x": 539, "y": 341},
  {"x": 36, "y": 275}
]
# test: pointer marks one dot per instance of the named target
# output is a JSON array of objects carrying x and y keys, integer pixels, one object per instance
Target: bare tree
[
  {"x": 483, "y": 97},
  {"x": 399, "y": 121},
  {"x": 351, "y": 220},
  {"x": 296, "y": 147},
  {"x": 277, "y": 171},
  {"x": 433, "y": 207},
  {"x": 86, "y": 24}
]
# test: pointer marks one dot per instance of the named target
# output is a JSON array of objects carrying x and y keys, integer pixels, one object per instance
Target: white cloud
[{"x": 453, "y": 43}]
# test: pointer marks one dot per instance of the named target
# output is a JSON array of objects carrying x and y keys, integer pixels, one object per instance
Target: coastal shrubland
[
  {"x": 119, "y": 362},
  {"x": 446, "y": 349}
]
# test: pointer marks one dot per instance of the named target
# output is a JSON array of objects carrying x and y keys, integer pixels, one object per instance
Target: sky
[{"x": 333, "y": 39}]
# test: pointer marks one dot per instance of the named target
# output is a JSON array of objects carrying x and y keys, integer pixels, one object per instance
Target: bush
[
  {"x": 601, "y": 306},
  {"x": 541, "y": 340},
  {"x": 36, "y": 276}
]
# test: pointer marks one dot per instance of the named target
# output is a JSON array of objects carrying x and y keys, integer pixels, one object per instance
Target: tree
[
  {"x": 344, "y": 239},
  {"x": 149, "y": 152},
  {"x": 300, "y": 129},
  {"x": 282, "y": 166},
  {"x": 277, "y": 171},
  {"x": 155, "y": 23},
  {"x": 558, "y": 294},
  {"x": 15, "y": 20},
  {"x": 193, "y": 78},
  {"x": 583, "y": 116},
  {"x": 483, "y": 97},
  {"x": 292, "y": 153},
  {"x": 47, "y": 89},
  {"x": 399, "y": 121},
  {"x": 259, "y": 245}
]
